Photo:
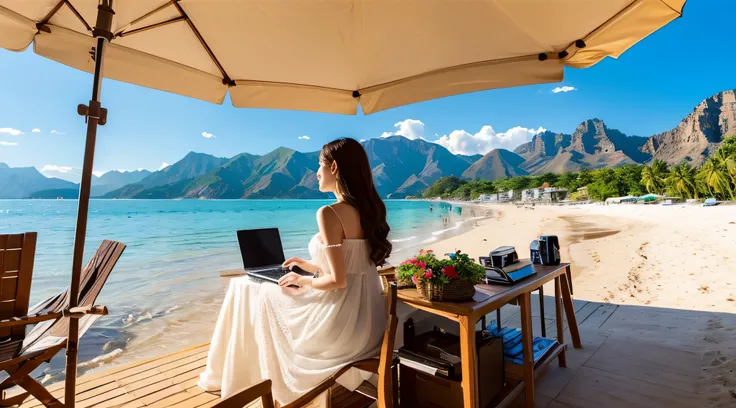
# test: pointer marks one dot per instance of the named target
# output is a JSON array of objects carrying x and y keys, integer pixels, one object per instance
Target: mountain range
[
  {"x": 28, "y": 182},
  {"x": 401, "y": 166}
]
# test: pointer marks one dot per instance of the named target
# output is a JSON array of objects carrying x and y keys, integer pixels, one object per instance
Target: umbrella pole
[{"x": 95, "y": 115}]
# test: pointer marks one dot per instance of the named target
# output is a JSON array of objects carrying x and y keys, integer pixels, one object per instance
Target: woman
[{"x": 299, "y": 337}]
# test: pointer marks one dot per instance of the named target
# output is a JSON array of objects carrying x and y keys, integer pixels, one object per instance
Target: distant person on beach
[{"x": 299, "y": 337}]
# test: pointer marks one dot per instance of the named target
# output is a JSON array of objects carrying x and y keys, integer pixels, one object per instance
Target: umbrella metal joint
[
  {"x": 103, "y": 27},
  {"x": 94, "y": 110}
]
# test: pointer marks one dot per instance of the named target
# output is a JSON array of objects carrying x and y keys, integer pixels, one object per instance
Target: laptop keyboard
[{"x": 273, "y": 273}]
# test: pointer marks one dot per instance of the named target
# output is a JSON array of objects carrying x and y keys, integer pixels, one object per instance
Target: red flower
[
  {"x": 422, "y": 265},
  {"x": 449, "y": 271},
  {"x": 414, "y": 279},
  {"x": 429, "y": 251},
  {"x": 428, "y": 274}
]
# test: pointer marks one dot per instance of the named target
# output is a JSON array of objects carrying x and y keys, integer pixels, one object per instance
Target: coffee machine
[{"x": 545, "y": 250}]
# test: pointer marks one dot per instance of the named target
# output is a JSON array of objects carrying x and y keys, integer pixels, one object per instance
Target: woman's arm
[{"x": 331, "y": 233}]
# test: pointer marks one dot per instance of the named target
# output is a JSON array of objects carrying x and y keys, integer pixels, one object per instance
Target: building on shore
[{"x": 544, "y": 194}]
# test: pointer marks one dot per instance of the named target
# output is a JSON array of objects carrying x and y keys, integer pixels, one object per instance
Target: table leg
[
  {"x": 572, "y": 322},
  {"x": 469, "y": 358},
  {"x": 562, "y": 358},
  {"x": 526, "y": 340},
  {"x": 568, "y": 271},
  {"x": 541, "y": 311}
]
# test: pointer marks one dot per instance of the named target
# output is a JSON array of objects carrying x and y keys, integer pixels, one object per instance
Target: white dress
[{"x": 297, "y": 340}]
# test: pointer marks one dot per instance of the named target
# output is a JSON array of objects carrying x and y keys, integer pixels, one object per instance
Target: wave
[
  {"x": 101, "y": 359},
  {"x": 413, "y": 237},
  {"x": 440, "y": 232}
]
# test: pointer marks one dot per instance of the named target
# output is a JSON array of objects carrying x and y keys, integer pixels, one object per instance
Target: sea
[{"x": 166, "y": 291}]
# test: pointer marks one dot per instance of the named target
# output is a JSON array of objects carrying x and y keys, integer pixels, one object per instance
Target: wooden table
[{"x": 492, "y": 297}]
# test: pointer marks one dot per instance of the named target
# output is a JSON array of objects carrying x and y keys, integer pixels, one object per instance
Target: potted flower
[
  {"x": 409, "y": 270},
  {"x": 442, "y": 279}
]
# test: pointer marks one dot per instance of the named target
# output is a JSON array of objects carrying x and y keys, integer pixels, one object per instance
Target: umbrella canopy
[
  {"x": 328, "y": 56},
  {"x": 331, "y": 56}
]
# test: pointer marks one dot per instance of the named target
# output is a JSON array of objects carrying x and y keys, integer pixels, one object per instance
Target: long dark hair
[{"x": 355, "y": 185}]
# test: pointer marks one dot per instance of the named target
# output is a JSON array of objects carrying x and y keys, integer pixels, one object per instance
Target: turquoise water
[{"x": 165, "y": 292}]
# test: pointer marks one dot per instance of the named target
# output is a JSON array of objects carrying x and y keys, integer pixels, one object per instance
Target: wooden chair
[
  {"x": 19, "y": 354},
  {"x": 383, "y": 365},
  {"x": 245, "y": 398}
]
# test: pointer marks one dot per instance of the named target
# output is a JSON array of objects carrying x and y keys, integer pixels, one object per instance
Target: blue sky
[{"x": 648, "y": 90}]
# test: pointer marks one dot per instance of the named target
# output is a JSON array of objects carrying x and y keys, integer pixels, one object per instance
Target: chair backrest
[
  {"x": 94, "y": 276},
  {"x": 17, "y": 252},
  {"x": 385, "y": 366}
]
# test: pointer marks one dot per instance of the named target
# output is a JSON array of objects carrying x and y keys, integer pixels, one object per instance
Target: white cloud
[
  {"x": 56, "y": 132},
  {"x": 98, "y": 173},
  {"x": 409, "y": 128},
  {"x": 208, "y": 135},
  {"x": 487, "y": 139},
  {"x": 67, "y": 173},
  {"x": 163, "y": 166},
  {"x": 8, "y": 144},
  {"x": 362, "y": 140},
  {"x": 305, "y": 137},
  {"x": 53, "y": 167},
  {"x": 36, "y": 130},
  {"x": 11, "y": 131},
  {"x": 564, "y": 89}
]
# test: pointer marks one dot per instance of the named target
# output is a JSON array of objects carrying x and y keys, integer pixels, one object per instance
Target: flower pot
[{"x": 456, "y": 290}]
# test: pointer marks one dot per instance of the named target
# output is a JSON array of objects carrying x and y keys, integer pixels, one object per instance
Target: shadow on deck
[{"x": 632, "y": 356}]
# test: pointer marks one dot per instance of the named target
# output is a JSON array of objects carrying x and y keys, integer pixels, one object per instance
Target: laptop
[
  {"x": 499, "y": 275},
  {"x": 263, "y": 255}
]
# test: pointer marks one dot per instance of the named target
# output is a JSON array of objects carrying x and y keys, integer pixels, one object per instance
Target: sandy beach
[
  {"x": 676, "y": 261},
  {"x": 665, "y": 256}
]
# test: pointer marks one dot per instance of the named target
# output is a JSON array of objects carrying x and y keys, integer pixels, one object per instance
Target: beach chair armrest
[
  {"x": 51, "y": 315},
  {"x": 80, "y": 311},
  {"x": 30, "y": 319}
]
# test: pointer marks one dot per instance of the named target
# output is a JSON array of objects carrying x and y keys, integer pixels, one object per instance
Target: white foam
[
  {"x": 440, "y": 232},
  {"x": 413, "y": 237},
  {"x": 99, "y": 360}
]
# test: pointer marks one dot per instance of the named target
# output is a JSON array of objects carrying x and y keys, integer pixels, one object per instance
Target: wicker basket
[
  {"x": 457, "y": 289},
  {"x": 403, "y": 283}
]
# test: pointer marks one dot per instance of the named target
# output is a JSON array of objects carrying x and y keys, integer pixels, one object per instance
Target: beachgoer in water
[{"x": 297, "y": 338}]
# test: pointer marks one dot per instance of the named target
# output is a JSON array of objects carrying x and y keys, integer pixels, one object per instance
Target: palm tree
[
  {"x": 714, "y": 176},
  {"x": 653, "y": 177},
  {"x": 728, "y": 161},
  {"x": 681, "y": 180}
]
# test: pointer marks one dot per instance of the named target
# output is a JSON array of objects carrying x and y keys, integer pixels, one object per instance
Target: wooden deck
[{"x": 631, "y": 357}]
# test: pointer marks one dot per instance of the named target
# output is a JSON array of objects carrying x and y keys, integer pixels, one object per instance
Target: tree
[
  {"x": 652, "y": 177},
  {"x": 629, "y": 179},
  {"x": 585, "y": 177},
  {"x": 568, "y": 180},
  {"x": 714, "y": 177},
  {"x": 681, "y": 181},
  {"x": 442, "y": 187}
]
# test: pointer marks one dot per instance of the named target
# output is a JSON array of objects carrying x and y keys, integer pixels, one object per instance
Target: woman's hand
[
  {"x": 293, "y": 278},
  {"x": 301, "y": 263}
]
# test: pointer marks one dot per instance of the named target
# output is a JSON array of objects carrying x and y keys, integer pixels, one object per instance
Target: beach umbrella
[
  {"x": 327, "y": 56},
  {"x": 649, "y": 197}
]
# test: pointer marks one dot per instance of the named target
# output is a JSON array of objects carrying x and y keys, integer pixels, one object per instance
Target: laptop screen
[{"x": 260, "y": 247}]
